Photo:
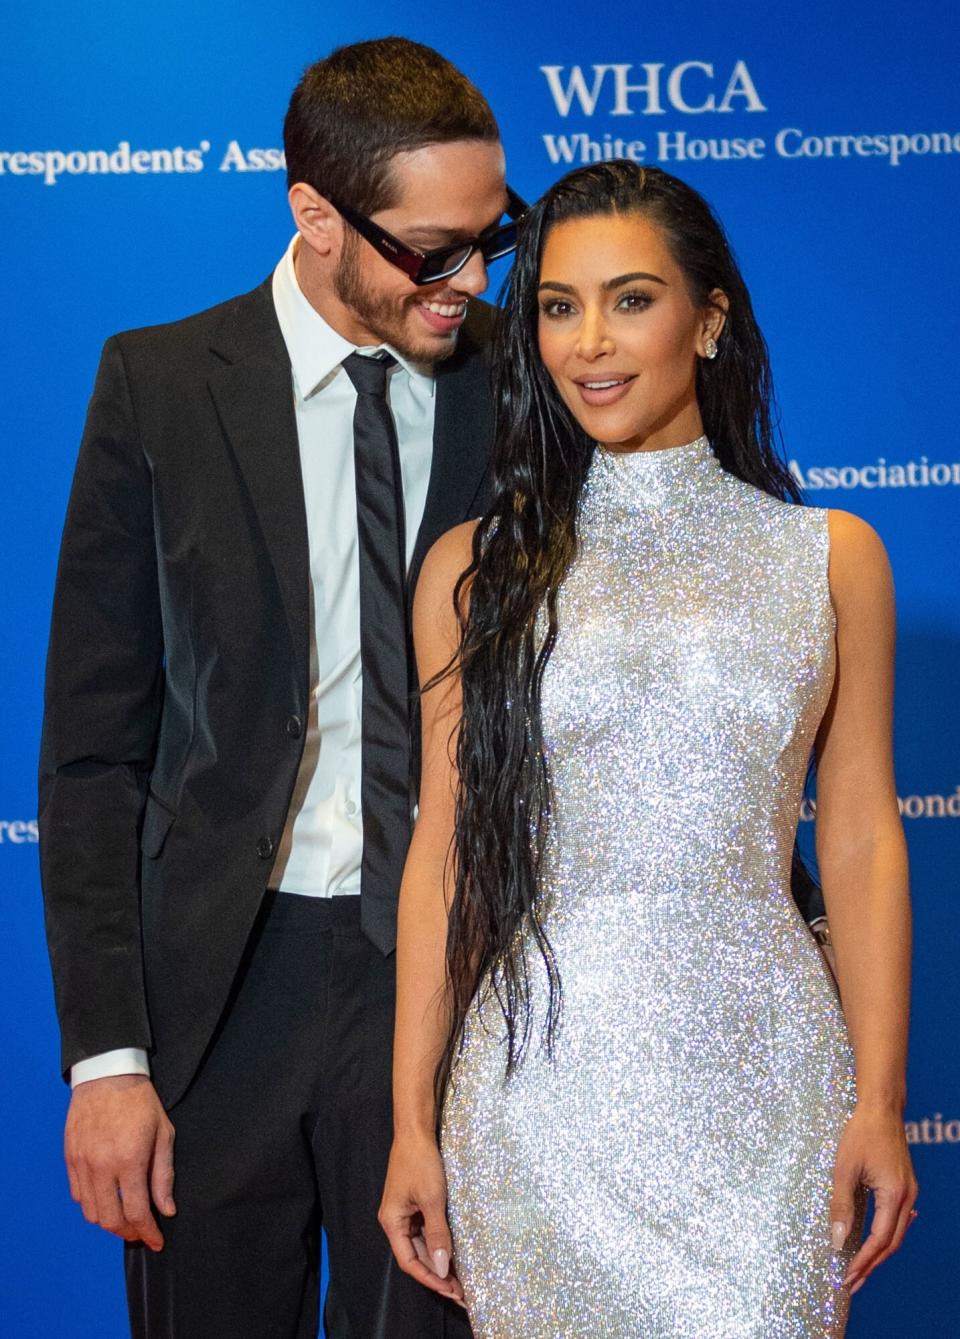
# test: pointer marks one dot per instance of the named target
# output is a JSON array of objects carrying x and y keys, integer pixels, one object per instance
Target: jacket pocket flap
[{"x": 157, "y": 821}]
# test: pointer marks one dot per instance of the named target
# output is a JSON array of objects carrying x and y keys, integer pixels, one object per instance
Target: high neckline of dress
[{"x": 659, "y": 479}]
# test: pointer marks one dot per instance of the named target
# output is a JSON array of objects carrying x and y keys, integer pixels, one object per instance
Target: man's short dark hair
[{"x": 354, "y": 110}]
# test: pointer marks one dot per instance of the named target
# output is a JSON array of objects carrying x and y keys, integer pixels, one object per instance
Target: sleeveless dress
[{"x": 667, "y": 1173}]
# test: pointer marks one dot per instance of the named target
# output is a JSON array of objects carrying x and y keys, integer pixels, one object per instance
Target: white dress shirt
[
  {"x": 322, "y": 844},
  {"x": 321, "y": 849}
]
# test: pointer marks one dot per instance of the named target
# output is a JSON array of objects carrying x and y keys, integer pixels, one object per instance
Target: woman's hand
[
  {"x": 413, "y": 1214},
  {"x": 873, "y": 1153}
]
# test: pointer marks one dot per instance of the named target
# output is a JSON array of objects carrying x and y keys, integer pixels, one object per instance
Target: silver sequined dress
[{"x": 667, "y": 1174}]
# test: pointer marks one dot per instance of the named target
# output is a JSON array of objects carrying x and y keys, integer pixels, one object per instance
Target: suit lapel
[
  {"x": 462, "y": 436},
  {"x": 253, "y": 394}
]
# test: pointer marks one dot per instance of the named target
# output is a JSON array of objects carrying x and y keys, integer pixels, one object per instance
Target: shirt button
[
  {"x": 294, "y": 727},
  {"x": 351, "y": 807},
  {"x": 265, "y": 848}
]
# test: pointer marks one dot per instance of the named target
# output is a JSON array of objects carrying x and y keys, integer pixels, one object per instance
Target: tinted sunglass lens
[
  {"x": 500, "y": 243},
  {"x": 442, "y": 266}
]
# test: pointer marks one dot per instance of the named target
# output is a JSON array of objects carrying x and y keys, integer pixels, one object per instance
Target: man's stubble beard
[{"x": 385, "y": 317}]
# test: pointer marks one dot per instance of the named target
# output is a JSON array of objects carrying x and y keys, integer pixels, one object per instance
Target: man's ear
[{"x": 318, "y": 223}]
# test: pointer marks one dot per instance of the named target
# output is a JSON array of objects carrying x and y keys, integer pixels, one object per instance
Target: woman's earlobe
[{"x": 716, "y": 315}]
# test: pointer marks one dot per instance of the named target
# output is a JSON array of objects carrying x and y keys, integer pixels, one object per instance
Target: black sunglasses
[{"x": 428, "y": 267}]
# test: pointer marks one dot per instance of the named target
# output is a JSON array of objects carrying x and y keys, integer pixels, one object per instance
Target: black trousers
[{"x": 287, "y": 1128}]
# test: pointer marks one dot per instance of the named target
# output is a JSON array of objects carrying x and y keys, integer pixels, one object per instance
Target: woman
[{"x": 654, "y": 1120}]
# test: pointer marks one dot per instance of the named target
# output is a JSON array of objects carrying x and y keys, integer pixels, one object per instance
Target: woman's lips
[{"x": 604, "y": 390}]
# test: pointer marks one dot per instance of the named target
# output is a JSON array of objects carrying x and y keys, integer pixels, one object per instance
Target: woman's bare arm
[
  {"x": 863, "y": 865},
  {"x": 422, "y": 1015},
  {"x": 413, "y": 1210}
]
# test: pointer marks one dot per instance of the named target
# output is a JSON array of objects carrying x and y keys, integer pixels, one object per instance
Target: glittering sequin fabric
[{"x": 667, "y": 1174}]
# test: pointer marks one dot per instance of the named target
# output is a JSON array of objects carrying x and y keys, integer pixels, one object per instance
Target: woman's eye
[
  {"x": 556, "y": 307},
  {"x": 634, "y": 301}
]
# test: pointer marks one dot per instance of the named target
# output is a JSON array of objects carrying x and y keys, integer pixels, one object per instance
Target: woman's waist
[{"x": 668, "y": 861}]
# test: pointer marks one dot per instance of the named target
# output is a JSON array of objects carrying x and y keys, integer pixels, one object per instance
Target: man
[{"x": 225, "y": 798}]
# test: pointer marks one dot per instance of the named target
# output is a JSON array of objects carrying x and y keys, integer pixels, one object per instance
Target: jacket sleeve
[{"x": 104, "y": 686}]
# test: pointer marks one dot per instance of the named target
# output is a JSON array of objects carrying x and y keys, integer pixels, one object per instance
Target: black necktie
[{"x": 385, "y": 736}]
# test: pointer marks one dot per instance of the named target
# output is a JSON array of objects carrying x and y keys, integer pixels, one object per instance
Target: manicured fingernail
[
  {"x": 838, "y": 1234},
  {"x": 857, "y": 1286},
  {"x": 441, "y": 1264}
]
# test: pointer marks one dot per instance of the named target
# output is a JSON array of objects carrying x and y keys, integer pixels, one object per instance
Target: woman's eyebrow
[
  {"x": 632, "y": 278},
  {"x": 608, "y": 284}
]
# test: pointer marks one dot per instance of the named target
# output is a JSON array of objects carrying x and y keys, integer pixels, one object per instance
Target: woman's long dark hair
[{"x": 521, "y": 553}]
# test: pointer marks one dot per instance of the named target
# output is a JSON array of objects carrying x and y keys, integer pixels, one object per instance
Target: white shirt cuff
[{"x": 127, "y": 1060}]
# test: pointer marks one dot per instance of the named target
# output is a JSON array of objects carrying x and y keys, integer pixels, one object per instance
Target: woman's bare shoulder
[
  {"x": 854, "y": 537},
  {"x": 433, "y": 610},
  {"x": 448, "y": 557},
  {"x": 859, "y": 566}
]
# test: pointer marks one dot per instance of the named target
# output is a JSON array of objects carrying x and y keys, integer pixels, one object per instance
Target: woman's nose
[{"x": 594, "y": 339}]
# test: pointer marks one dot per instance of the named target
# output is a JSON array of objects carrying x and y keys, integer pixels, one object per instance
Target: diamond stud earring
[{"x": 710, "y": 348}]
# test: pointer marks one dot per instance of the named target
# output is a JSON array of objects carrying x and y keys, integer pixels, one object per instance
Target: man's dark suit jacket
[{"x": 177, "y": 680}]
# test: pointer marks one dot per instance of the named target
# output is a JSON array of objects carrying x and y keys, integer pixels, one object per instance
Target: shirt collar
[{"x": 316, "y": 350}]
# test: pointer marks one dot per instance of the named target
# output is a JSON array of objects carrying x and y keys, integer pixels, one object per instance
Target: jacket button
[
  {"x": 294, "y": 727},
  {"x": 265, "y": 848}
]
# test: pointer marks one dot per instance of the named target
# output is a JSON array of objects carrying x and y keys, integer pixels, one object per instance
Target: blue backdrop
[{"x": 140, "y": 180}]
